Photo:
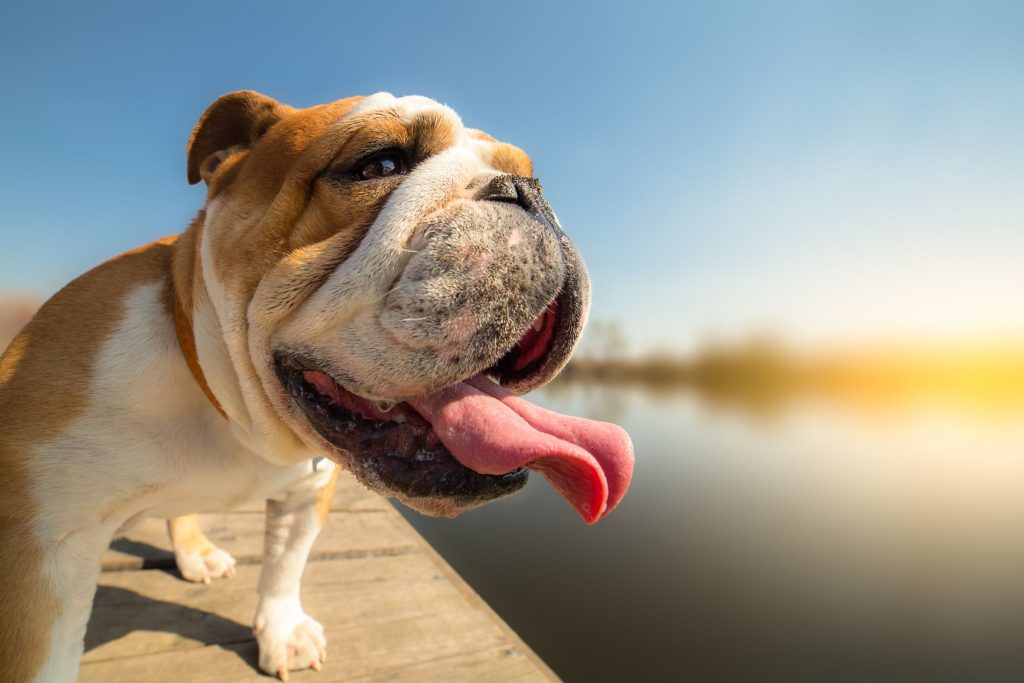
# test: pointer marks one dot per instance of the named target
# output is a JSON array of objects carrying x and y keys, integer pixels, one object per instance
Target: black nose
[
  {"x": 523, "y": 192},
  {"x": 506, "y": 188}
]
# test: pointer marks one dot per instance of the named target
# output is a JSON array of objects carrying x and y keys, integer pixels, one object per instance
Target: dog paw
[
  {"x": 204, "y": 566},
  {"x": 288, "y": 638}
]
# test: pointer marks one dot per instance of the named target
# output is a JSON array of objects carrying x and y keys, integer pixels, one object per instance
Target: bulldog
[{"x": 369, "y": 280}]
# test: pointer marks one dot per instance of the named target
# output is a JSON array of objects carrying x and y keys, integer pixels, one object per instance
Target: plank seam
[
  {"x": 353, "y": 554},
  {"x": 177, "y": 648}
]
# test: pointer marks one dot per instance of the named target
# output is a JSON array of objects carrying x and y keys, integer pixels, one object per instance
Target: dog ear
[{"x": 234, "y": 122}]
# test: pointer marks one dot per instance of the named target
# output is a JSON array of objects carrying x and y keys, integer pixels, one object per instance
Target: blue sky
[{"x": 834, "y": 172}]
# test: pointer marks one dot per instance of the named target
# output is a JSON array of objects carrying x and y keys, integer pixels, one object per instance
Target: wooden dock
[{"x": 392, "y": 608}]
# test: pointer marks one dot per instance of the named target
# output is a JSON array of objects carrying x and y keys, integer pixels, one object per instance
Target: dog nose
[
  {"x": 523, "y": 192},
  {"x": 500, "y": 188}
]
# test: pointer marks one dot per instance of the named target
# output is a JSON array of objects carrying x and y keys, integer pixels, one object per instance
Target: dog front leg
[
  {"x": 288, "y": 637},
  {"x": 198, "y": 559},
  {"x": 62, "y": 591}
]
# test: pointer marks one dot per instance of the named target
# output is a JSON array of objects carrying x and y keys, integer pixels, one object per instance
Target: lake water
[{"x": 814, "y": 542}]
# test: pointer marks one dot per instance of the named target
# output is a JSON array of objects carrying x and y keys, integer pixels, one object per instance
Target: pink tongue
[{"x": 492, "y": 431}]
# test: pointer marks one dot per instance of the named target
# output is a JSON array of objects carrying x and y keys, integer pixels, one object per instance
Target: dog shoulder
[{"x": 47, "y": 370}]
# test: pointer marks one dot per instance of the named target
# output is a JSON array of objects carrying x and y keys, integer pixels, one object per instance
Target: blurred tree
[
  {"x": 603, "y": 340},
  {"x": 15, "y": 311}
]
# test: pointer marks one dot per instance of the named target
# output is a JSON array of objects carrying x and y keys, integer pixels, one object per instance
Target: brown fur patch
[
  {"x": 511, "y": 160},
  {"x": 187, "y": 283},
  {"x": 237, "y": 119},
  {"x": 186, "y": 276},
  {"x": 187, "y": 342},
  {"x": 39, "y": 397},
  {"x": 258, "y": 208},
  {"x": 479, "y": 135},
  {"x": 273, "y": 201},
  {"x": 187, "y": 536},
  {"x": 325, "y": 495}
]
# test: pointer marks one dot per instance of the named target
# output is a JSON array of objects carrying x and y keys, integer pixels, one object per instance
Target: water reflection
[{"x": 814, "y": 540}]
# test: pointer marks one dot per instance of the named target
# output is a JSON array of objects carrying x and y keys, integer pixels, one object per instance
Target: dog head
[{"x": 358, "y": 259}]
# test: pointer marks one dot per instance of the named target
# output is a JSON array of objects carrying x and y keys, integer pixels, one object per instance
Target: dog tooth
[
  {"x": 385, "y": 406},
  {"x": 538, "y": 324}
]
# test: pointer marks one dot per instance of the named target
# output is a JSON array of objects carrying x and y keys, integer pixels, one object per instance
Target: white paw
[
  {"x": 289, "y": 638},
  {"x": 201, "y": 567}
]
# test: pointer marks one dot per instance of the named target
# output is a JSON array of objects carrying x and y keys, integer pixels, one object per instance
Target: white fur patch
[
  {"x": 288, "y": 637},
  {"x": 148, "y": 444},
  {"x": 221, "y": 328},
  {"x": 210, "y": 332}
]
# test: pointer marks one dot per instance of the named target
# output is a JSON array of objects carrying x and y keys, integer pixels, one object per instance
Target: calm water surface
[{"x": 819, "y": 542}]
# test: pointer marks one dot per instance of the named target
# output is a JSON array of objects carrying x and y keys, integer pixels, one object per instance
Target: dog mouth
[
  {"x": 391, "y": 448},
  {"x": 472, "y": 441},
  {"x": 394, "y": 446}
]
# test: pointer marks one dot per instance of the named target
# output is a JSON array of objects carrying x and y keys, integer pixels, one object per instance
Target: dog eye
[{"x": 383, "y": 166}]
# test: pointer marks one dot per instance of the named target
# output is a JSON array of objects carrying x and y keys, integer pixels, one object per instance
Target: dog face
[{"x": 356, "y": 256}]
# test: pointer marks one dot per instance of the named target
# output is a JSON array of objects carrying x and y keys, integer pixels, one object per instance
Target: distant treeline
[{"x": 766, "y": 373}]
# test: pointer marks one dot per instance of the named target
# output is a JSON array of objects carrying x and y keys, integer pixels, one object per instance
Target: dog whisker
[{"x": 385, "y": 294}]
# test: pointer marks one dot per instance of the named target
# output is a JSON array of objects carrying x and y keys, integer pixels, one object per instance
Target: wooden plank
[
  {"x": 363, "y": 523},
  {"x": 382, "y": 614},
  {"x": 344, "y": 535},
  {"x": 392, "y": 608},
  {"x": 150, "y": 611},
  {"x": 476, "y": 601},
  {"x": 237, "y": 662},
  {"x": 502, "y": 664}
]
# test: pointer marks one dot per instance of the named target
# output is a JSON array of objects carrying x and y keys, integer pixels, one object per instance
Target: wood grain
[{"x": 392, "y": 608}]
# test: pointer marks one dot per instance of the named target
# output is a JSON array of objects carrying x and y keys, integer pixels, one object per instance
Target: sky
[{"x": 829, "y": 172}]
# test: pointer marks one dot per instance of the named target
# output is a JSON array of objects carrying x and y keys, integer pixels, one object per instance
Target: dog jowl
[{"x": 369, "y": 280}]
